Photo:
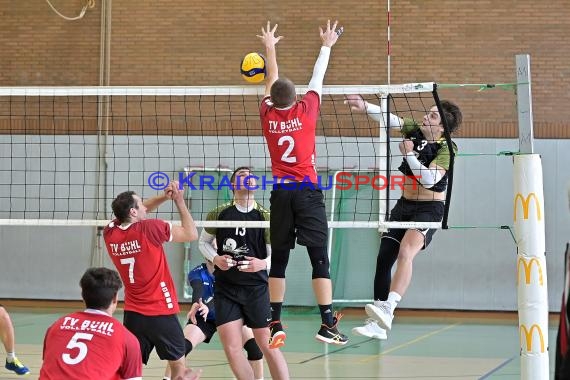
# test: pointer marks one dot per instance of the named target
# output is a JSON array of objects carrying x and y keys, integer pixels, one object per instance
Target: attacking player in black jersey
[
  {"x": 427, "y": 158},
  {"x": 241, "y": 295}
]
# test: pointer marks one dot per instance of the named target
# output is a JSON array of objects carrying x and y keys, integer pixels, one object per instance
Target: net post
[
  {"x": 524, "y": 104},
  {"x": 389, "y": 44},
  {"x": 532, "y": 293}
]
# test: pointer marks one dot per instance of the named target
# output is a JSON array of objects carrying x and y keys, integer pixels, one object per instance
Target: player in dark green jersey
[
  {"x": 241, "y": 295},
  {"x": 426, "y": 159}
]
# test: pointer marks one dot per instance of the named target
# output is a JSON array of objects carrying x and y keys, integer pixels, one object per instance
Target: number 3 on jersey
[{"x": 286, "y": 157}]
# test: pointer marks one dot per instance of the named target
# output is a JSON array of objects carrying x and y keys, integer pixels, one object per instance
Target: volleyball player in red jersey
[
  {"x": 297, "y": 204},
  {"x": 91, "y": 344},
  {"x": 135, "y": 245}
]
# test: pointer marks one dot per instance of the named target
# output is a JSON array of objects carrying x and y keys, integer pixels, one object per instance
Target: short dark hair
[
  {"x": 283, "y": 93},
  {"x": 123, "y": 204},
  {"x": 452, "y": 115},
  {"x": 233, "y": 177},
  {"x": 99, "y": 286}
]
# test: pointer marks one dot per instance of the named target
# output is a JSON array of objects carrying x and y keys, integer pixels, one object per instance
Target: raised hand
[
  {"x": 329, "y": 36},
  {"x": 356, "y": 103},
  {"x": 174, "y": 192},
  {"x": 268, "y": 37},
  {"x": 406, "y": 146}
]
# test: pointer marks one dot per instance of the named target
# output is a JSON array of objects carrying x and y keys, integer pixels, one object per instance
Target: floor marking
[
  {"x": 488, "y": 374},
  {"x": 409, "y": 343},
  {"x": 335, "y": 351}
]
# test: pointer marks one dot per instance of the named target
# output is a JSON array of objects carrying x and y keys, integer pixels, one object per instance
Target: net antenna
[{"x": 389, "y": 43}]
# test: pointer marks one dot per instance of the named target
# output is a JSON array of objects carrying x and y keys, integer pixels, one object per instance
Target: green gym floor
[{"x": 422, "y": 345}]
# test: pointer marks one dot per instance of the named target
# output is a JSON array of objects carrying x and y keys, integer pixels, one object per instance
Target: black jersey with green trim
[
  {"x": 240, "y": 241},
  {"x": 427, "y": 152}
]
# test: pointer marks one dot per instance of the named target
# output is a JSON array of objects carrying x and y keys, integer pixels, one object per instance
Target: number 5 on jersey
[{"x": 74, "y": 343}]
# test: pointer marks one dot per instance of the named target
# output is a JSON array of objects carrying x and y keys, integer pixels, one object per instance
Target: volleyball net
[{"x": 68, "y": 151}]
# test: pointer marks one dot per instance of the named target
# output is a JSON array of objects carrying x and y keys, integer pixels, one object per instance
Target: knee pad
[
  {"x": 387, "y": 256},
  {"x": 253, "y": 351},
  {"x": 319, "y": 261},
  {"x": 279, "y": 261},
  {"x": 188, "y": 348}
]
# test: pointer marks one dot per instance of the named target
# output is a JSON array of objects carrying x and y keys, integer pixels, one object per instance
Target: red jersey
[
  {"x": 290, "y": 136},
  {"x": 138, "y": 254},
  {"x": 90, "y": 345}
]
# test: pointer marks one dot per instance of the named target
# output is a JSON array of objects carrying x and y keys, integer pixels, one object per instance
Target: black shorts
[
  {"x": 297, "y": 210},
  {"x": 162, "y": 331},
  {"x": 208, "y": 327},
  {"x": 250, "y": 303},
  {"x": 415, "y": 211}
]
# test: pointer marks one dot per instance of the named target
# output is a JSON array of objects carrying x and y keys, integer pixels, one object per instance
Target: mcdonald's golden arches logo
[
  {"x": 528, "y": 335},
  {"x": 525, "y": 202},
  {"x": 527, "y": 269}
]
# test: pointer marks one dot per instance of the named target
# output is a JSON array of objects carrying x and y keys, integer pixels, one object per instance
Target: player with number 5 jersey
[
  {"x": 135, "y": 245},
  {"x": 297, "y": 204},
  {"x": 91, "y": 344}
]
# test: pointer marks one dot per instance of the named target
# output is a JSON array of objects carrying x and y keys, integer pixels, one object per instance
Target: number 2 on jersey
[{"x": 291, "y": 144}]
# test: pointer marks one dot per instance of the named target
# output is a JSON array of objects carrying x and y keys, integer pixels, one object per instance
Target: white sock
[
  {"x": 393, "y": 299},
  {"x": 10, "y": 356}
]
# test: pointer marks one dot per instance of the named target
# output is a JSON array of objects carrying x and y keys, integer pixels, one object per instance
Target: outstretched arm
[
  {"x": 187, "y": 231},
  {"x": 329, "y": 38},
  {"x": 428, "y": 177},
  {"x": 357, "y": 104},
  {"x": 153, "y": 203},
  {"x": 272, "y": 70}
]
